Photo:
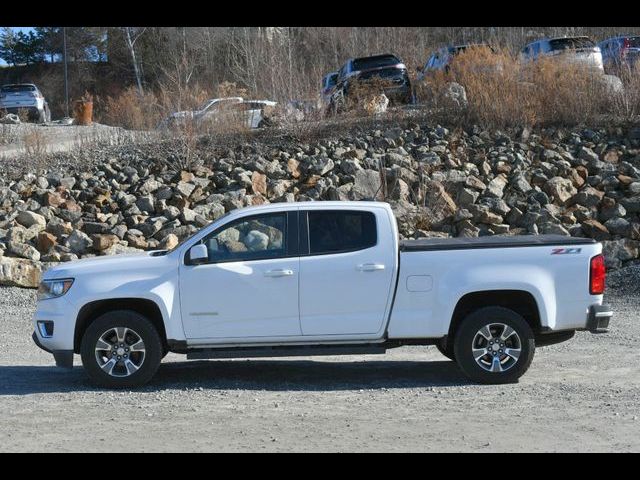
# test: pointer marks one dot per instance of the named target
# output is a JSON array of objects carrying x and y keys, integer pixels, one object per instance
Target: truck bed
[{"x": 494, "y": 241}]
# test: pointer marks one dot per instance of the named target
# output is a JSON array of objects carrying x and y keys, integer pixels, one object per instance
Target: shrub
[
  {"x": 133, "y": 110},
  {"x": 502, "y": 91}
]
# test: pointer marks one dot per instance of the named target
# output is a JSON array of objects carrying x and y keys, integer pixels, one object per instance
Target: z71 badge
[{"x": 565, "y": 251}]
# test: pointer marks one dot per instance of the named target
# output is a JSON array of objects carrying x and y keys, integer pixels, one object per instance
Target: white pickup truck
[{"x": 321, "y": 278}]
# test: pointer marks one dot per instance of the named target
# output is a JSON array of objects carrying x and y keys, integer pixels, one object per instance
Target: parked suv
[
  {"x": 328, "y": 86},
  {"x": 620, "y": 53},
  {"x": 441, "y": 59},
  {"x": 574, "y": 49},
  {"x": 387, "y": 67},
  {"x": 19, "y": 97}
]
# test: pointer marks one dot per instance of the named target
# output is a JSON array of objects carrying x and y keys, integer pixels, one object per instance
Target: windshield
[
  {"x": 205, "y": 105},
  {"x": 461, "y": 48},
  {"x": 375, "y": 62},
  {"x": 571, "y": 43},
  {"x": 330, "y": 80}
]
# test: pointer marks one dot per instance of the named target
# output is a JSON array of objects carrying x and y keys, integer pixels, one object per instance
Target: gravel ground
[{"x": 583, "y": 395}]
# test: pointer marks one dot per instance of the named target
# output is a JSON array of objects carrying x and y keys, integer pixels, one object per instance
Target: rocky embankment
[{"x": 441, "y": 182}]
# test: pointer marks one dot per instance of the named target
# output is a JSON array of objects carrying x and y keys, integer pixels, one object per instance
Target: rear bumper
[
  {"x": 17, "y": 108},
  {"x": 598, "y": 318},
  {"x": 400, "y": 93},
  {"x": 63, "y": 358}
]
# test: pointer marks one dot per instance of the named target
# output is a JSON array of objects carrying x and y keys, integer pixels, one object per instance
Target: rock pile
[{"x": 440, "y": 182}]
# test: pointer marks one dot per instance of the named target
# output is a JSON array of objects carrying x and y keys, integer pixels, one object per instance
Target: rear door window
[
  {"x": 18, "y": 88},
  {"x": 335, "y": 231}
]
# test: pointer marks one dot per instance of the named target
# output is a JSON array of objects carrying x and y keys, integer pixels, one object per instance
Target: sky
[{"x": 17, "y": 29}]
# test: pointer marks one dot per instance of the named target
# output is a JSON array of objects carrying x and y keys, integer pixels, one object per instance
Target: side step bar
[{"x": 285, "y": 351}]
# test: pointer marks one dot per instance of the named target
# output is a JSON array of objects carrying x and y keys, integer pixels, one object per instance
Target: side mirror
[{"x": 198, "y": 254}]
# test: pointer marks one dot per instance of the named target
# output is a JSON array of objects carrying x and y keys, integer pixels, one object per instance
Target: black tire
[
  {"x": 445, "y": 347},
  {"x": 467, "y": 335},
  {"x": 143, "y": 328}
]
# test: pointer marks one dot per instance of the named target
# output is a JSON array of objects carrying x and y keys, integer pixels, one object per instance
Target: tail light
[
  {"x": 626, "y": 45},
  {"x": 597, "y": 274}
]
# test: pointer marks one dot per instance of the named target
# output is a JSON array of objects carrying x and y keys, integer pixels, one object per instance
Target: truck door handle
[
  {"x": 370, "y": 267},
  {"x": 278, "y": 273}
]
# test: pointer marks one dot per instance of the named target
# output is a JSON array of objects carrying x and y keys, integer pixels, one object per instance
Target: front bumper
[
  {"x": 598, "y": 318},
  {"x": 63, "y": 358}
]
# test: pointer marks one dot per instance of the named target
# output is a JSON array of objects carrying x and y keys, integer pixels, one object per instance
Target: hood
[
  {"x": 104, "y": 264},
  {"x": 183, "y": 114}
]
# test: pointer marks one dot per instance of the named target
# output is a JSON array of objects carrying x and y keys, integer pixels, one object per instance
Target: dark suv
[
  {"x": 387, "y": 68},
  {"x": 620, "y": 54}
]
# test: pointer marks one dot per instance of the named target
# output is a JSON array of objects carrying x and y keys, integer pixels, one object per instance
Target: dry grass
[
  {"x": 7, "y": 134},
  {"x": 136, "y": 111},
  {"x": 132, "y": 110},
  {"x": 363, "y": 96},
  {"x": 627, "y": 106},
  {"x": 35, "y": 142},
  {"x": 23, "y": 115},
  {"x": 502, "y": 91}
]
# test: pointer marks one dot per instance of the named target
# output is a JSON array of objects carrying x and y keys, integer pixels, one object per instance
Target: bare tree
[{"x": 132, "y": 36}]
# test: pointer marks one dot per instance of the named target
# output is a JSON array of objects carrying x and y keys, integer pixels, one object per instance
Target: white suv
[
  {"x": 573, "y": 49},
  {"x": 19, "y": 97}
]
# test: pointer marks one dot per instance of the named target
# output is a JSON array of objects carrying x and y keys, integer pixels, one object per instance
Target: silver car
[
  {"x": 24, "y": 97},
  {"x": 224, "y": 112},
  {"x": 620, "y": 54},
  {"x": 580, "y": 50}
]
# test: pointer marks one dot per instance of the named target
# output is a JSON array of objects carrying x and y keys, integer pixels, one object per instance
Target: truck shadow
[{"x": 271, "y": 375}]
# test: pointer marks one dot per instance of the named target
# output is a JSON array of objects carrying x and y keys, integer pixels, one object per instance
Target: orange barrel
[{"x": 83, "y": 113}]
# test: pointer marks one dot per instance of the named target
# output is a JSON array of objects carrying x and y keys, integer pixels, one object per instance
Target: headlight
[{"x": 54, "y": 288}]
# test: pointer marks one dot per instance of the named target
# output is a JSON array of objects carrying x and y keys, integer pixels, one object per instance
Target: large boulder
[
  {"x": 78, "y": 242},
  {"x": 28, "y": 219},
  {"x": 259, "y": 183},
  {"x": 24, "y": 250},
  {"x": 256, "y": 241},
  {"x": 20, "y": 272},
  {"x": 561, "y": 189},
  {"x": 439, "y": 204},
  {"x": 596, "y": 230},
  {"x": 366, "y": 186}
]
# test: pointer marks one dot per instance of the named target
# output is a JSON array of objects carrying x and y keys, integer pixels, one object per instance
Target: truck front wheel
[
  {"x": 121, "y": 349},
  {"x": 494, "y": 345},
  {"x": 445, "y": 347}
]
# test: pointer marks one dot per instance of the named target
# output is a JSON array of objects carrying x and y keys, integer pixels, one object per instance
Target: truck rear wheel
[
  {"x": 121, "y": 349},
  {"x": 494, "y": 345}
]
